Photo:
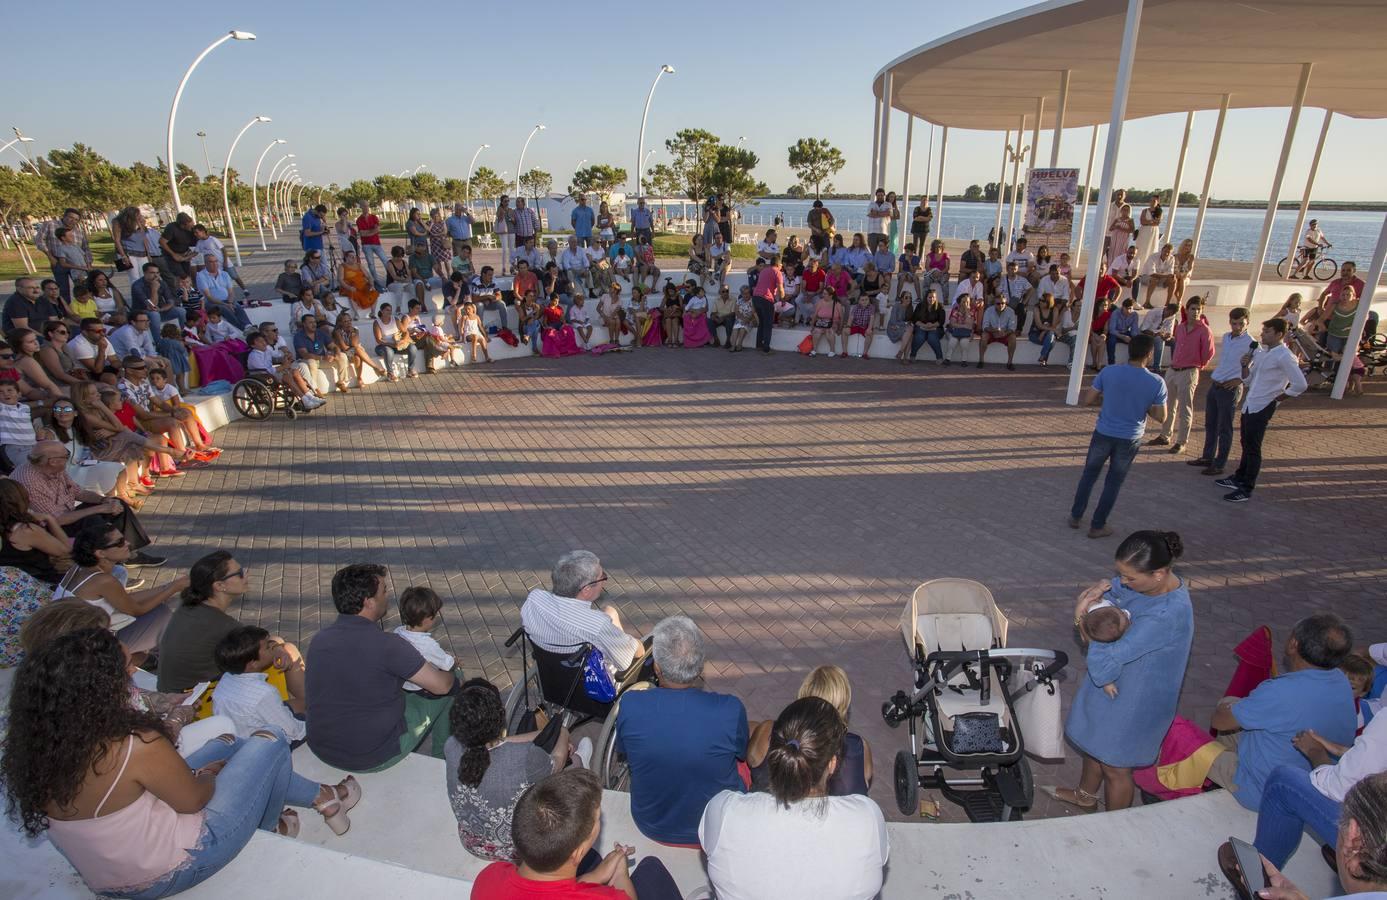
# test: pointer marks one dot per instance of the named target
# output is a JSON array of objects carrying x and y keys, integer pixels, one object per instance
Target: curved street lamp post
[{"x": 173, "y": 110}]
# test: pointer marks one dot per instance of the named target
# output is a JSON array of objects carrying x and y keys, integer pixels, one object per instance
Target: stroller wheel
[
  {"x": 907, "y": 783},
  {"x": 1017, "y": 785}
]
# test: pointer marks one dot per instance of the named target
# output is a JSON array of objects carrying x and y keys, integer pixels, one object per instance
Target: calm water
[{"x": 1228, "y": 233}]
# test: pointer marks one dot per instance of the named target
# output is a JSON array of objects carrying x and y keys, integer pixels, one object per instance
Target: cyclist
[{"x": 1310, "y": 246}]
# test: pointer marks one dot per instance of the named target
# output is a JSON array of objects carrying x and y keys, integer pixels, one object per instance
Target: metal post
[
  {"x": 226, "y": 196},
  {"x": 1035, "y": 154},
  {"x": 1360, "y": 317},
  {"x": 1016, "y": 154},
  {"x": 1083, "y": 206},
  {"x": 1121, "y": 86},
  {"x": 640, "y": 143},
  {"x": 1259, "y": 259},
  {"x": 1309, "y": 186},
  {"x": 255, "y": 190},
  {"x": 1209, "y": 172},
  {"x": 905, "y": 190},
  {"x": 173, "y": 110},
  {"x": 885, "y": 128},
  {"x": 939, "y": 206},
  {"x": 1179, "y": 177},
  {"x": 1059, "y": 119},
  {"x": 1002, "y": 185},
  {"x": 876, "y": 143}
]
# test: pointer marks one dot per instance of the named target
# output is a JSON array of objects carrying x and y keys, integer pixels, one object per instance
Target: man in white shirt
[
  {"x": 1158, "y": 278},
  {"x": 1310, "y": 244},
  {"x": 90, "y": 349},
  {"x": 1159, "y": 323},
  {"x": 1023, "y": 258},
  {"x": 1124, "y": 271},
  {"x": 1054, "y": 284},
  {"x": 214, "y": 283},
  {"x": 245, "y": 655},
  {"x": 575, "y": 262},
  {"x": 1272, "y": 374},
  {"x": 1015, "y": 287},
  {"x": 570, "y": 615},
  {"x": 1222, "y": 398},
  {"x": 972, "y": 287},
  {"x": 878, "y": 220}
]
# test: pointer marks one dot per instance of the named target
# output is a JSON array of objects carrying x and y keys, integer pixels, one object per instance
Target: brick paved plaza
[{"x": 788, "y": 504}]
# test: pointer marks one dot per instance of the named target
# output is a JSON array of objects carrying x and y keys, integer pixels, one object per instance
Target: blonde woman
[
  {"x": 1184, "y": 268},
  {"x": 854, "y": 772}
]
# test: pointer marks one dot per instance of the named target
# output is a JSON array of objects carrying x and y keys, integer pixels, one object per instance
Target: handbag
[
  {"x": 807, "y": 344},
  {"x": 977, "y": 732},
  {"x": 123, "y": 264},
  {"x": 597, "y": 681}
]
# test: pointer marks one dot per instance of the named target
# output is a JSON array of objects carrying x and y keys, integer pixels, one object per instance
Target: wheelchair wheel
[
  {"x": 253, "y": 399},
  {"x": 515, "y": 701},
  {"x": 290, "y": 413},
  {"x": 611, "y": 767},
  {"x": 1325, "y": 268},
  {"x": 1017, "y": 786},
  {"x": 907, "y": 784}
]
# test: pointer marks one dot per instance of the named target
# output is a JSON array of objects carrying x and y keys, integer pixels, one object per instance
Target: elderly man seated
[
  {"x": 570, "y": 615},
  {"x": 577, "y": 265},
  {"x": 682, "y": 742},
  {"x": 360, "y": 718},
  {"x": 53, "y": 493},
  {"x": 1313, "y": 694},
  {"x": 135, "y": 338}
]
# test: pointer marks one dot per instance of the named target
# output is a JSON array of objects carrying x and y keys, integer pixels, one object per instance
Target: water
[{"x": 1228, "y": 233}]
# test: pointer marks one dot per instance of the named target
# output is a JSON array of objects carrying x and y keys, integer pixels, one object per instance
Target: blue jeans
[
  {"x": 919, "y": 337},
  {"x": 532, "y": 332},
  {"x": 250, "y": 792},
  {"x": 1118, "y": 453},
  {"x": 231, "y": 312},
  {"x": 390, "y": 354},
  {"x": 1157, "y": 353},
  {"x": 1290, "y": 801},
  {"x": 372, "y": 252},
  {"x": 174, "y": 313},
  {"x": 63, "y": 275},
  {"x": 1046, "y": 342},
  {"x": 1112, "y": 349}
]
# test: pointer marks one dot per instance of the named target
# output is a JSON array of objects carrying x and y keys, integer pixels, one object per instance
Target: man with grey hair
[
  {"x": 683, "y": 743},
  {"x": 569, "y": 615}
]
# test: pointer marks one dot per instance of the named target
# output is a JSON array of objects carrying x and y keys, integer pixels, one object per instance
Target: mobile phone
[{"x": 1250, "y": 866}]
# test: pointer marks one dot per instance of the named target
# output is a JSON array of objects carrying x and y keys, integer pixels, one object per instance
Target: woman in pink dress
[{"x": 696, "y": 320}]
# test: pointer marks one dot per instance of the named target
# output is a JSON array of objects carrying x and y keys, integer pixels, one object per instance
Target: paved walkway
[{"x": 788, "y": 504}]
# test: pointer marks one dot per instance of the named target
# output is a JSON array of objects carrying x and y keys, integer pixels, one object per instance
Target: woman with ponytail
[
  {"x": 1126, "y": 702},
  {"x": 487, "y": 770},
  {"x": 797, "y": 841}
]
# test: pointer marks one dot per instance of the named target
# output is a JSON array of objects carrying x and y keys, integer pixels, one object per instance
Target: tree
[
  {"x": 662, "y": 180},
  {"x": 486, "y": 184},
  {"x": 693, "y": 155},
  {"x": 393, "y": 188},
  {"x": 455, "y": 189},
  {"x": 597, "y": 179},
  {"x": 425, "y": 187},
  {"x": 87, "y": 180},
  {"x": 537, "y": 183},
  {"x": 814, "y": 161},
  {"x": 973, "y": 192},
  {"x": 794, "y": 190},
  {"x": 358, "y": 192},
  {"x": 731, "y": 176}
]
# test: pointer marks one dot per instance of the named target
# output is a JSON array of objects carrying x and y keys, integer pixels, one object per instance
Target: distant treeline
[{"x": 1134, "y": 196}]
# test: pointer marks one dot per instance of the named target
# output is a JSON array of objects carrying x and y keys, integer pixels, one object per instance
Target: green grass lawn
[{"x": 678, "y": 245}]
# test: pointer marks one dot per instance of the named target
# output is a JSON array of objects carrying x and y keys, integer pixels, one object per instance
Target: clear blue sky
[{"x": 362, "y": 88}]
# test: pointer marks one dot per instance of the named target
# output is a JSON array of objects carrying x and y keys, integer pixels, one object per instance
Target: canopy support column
[
  {"x": 1059, "y": 119},
  {"x": 1083, "y": 205},
  {"x": 943, "y": 159},
  {"x": 876, "y": 145},
  {"x": 1260, "y": 257},
  {"x": 1016, "y": 154},
  {"x": 905, "y": 187},
  {"x": 885, "y": 129},
  {"x": 1209, "y": 172},
  {"x": 1035, "y": 153},
  {"x": 1169, "y": 221},
  {"x": 1360, "y": 318},
  {"x": 1309, "y": 187},
  {"x": 1121, "y": 86},
  {"x": 1001, "y": 188}
]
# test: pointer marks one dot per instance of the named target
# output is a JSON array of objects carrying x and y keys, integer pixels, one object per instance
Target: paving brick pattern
[{"x": 788, "y": 504}]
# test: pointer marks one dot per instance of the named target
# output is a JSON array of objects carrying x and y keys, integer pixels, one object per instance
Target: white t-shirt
[
  {"x": 166, "y": 393},
  {"x": 578, "y": 315},
  {"x": 428, "y": 648},
  {"x": 1125, "y": 267},
  {"x": 81, "y": 348},
  {"x": 831, "y": 848},
  {"x": 1024, "y": 259},
  {"x": 878, "y": 225},
  {"x": 210, "y": 244},
  {"x": 766, "y": 249},
  {"x": 1154, "y": 265}
]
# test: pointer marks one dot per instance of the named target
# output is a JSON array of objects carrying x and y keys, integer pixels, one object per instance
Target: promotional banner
[{"x": 1051, "y": 196}]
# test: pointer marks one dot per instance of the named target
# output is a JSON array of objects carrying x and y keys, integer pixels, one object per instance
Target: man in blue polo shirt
[
  {"x": 459, "y": 226},
  {"x": 1128, "y": 395},
  {"x": 642, "y": 222},
  {"x": 681, "y": 742},
  {"x": 313, "y": 229},
  {"x": 582, "y": 220}
]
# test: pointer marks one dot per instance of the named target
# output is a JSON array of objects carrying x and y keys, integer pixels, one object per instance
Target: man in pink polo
[
  {"x": 1194, "y": 349},
  {"x": 770, "y": 287}
]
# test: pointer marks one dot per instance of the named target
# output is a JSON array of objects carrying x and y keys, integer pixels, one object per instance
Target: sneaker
[
  {"x": 1211, "y": 470},
  {"x": 1159, "y": 442},
  {"x": 1075, "y": 523},
  {"x": 1011, "y": 367},
  {"x": 1231, "y": 483},
  {"x": 1099, "y": 532},
  {"x": 1199, "y": 462},
  {"x": 584, "y": 752},
  {"x": 1238, "y": 496},
  {"x": 146, "y": 481},
  {"x": 1176, "y": 448},
  {"x": 144, "y": 560},
  {"x": 311, "y": 402},
  {"x": 175, "y": 472}
]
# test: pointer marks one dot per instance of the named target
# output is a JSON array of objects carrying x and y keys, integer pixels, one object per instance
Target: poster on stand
[{"x": 1051, "y": 195}]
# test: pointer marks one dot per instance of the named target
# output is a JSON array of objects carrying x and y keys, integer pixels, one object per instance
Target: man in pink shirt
[
  {"x": 1194, "y": 350},
  {"x": 770, "y": 287},
  {"x": 1347, "y": 278}
]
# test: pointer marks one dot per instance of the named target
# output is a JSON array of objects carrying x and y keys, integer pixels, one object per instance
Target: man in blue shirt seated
[
  {"x": 682, "y": 742},
  {"x": 1128, "y": 395},
  {"x": 1313, "y": 695}
]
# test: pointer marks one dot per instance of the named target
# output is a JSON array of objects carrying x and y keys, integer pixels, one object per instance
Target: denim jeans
[
  {"x": 1157, "y": 353},
  {"x": 1290, "y": 801},
  {"x": 1118, "y": 453},
  {"x": 1046, "y": 342},
  {"x": 389, "y": 354},
  {"x": 1112, "y": 349},
  {"x": 63, "y": 275},
  {"x": 250, "y": 792},
  {"x": 372, "y": 252},
  {"x": 919, "y": 337}
]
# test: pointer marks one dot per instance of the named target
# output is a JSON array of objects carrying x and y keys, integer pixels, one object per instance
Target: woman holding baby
[{"x": 1137, "y": 629}]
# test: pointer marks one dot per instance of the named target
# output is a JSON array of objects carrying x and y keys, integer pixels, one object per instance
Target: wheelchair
[
  {"x": 554, "y": 684},
  {"x": 257, "y": 398}
]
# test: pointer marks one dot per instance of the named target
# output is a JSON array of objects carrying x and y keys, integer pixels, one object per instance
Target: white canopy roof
[{"x": 1189, "y": 53}]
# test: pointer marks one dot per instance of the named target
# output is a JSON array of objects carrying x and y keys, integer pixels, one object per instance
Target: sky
[{"x": 359, "y": 90}]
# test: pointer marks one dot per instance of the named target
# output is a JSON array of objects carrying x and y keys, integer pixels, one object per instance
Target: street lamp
[
  {"x": 520, "y": 165},
  {"x": 255, "y": 191},
  {"x": 289, "y": 173},
  {"x": 417, "y": 168},
  {"x": 22, "y": 138},
  {"x": 286, "y": 192},
  {"x": 740, "y": 141},
  {"x": 640, "y": 144},
  {"x": 205, "y": 158},
  {"x": 299, "y": 198},
  {"x": 269, "y": 201},
  {"x": 178, "y": 95},
  {"x": 226, "y": 171},
  {"x": 276, "y": 188},
  {"x": 467, "y": 190}
]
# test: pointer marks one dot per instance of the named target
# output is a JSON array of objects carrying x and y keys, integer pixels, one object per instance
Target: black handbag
[
  {"x": 123, "y": 264},
  {"x": 977, "y": 732}
]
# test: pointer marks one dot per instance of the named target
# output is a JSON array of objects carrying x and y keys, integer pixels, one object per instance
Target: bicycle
[{"x": 1322, "y": 268}]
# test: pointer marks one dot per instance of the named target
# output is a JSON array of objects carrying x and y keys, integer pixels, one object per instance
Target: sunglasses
[
  {"x": 591, "y": 583},
  {"x": 6, "y": 356},
  {"x": 237, "y": 574},
  {"x": 64, "y": 409},
  {"x": 122, "y": 542}
]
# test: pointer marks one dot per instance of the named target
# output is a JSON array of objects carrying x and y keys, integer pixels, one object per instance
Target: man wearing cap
[{"x": 1310, "y": 245}]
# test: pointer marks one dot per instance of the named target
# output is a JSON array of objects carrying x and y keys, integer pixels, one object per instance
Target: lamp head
[
  {"x": 262, "y": 118},
  {"x": 485, "y": 146},
  {"x": 280, "y": 141},
  {"x": 539, "y": 127},
  {"x": 243, "y": 35},
  {"x": 667, "y": 69},
  {"x": 202, "y": 134}
]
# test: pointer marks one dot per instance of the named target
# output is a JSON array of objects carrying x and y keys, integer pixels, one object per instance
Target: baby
[
  {"x": 1105, "y": 623},
  {"x": 421, "y": 610}
]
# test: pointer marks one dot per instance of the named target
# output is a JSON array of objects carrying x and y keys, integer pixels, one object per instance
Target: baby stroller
[{"x": 975, "y": 704}]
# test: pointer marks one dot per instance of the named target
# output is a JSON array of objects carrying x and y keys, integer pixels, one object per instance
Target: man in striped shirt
[{"x": 570, "y": 615}]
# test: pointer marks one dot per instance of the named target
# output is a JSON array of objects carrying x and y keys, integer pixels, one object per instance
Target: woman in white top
[
  {"x": 797, "y": 841},
  {"x": 138, "y": 618},
  {"x": 107, "y": 297},
  {"x": 1149, "y": 234}
]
